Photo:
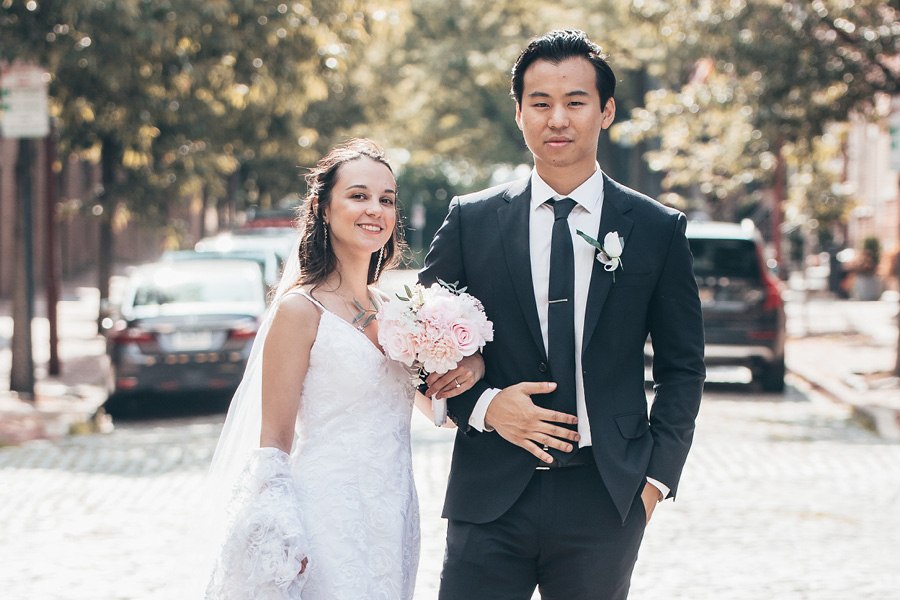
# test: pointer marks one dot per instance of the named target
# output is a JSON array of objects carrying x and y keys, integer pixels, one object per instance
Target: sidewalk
[
  {"x": 846, "y": 349},
  {"x": 67, "y": 403},
  {"x": 836, "y": 346}
]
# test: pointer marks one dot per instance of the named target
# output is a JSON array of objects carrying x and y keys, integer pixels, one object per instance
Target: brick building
[{"x": 77, "y": 230}]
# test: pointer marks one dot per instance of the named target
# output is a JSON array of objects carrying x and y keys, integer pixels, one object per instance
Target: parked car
[
  {"x": 278, "y": 239},
  {"x": 268, "y": 261},
  {"x": 277, "y": 242},
  {"x": 184, "y": 326},
  {"x": 743, "y": 311}
]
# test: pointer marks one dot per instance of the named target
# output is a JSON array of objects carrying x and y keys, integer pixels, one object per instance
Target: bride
[{"x": 315, "y": 452}]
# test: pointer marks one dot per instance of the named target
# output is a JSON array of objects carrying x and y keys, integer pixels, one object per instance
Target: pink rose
[
  {"x": 400, "y": 345},
  {"x": 466, "y": 339}
]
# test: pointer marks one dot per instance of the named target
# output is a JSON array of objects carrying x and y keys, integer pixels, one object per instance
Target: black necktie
[{"x": 561, "y": 314}]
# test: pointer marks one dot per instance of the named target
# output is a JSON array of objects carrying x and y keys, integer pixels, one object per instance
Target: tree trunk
[
  {"x": 897, "y": 359},
  {"x": 109, "y": 161},
  {"x": 896, "y": 266},
  {"x": 778, "y": 195},
  {"x": 21, "y": 376},
  {"x": 203, "y": 209},
  {"x": 105, "y": 253},
  {"x": 51, "y": 256},
  {"x": 637, "y": 167}
]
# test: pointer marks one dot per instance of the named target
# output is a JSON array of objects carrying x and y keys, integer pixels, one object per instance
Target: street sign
[
  {"x": 23, "y": 99},
  {"x": 894, "y": 127}
]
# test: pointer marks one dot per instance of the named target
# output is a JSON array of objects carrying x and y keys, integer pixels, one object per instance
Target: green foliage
[
  {"x": 751, "y": 79},
  {"x": 186, "y": 95},
  {"x": 709, "y": 147},
  {"x": 426, "y": 190},
  {"x": 231, "y": 99},
  {"x": 816, "y": 197},
  {"x": 440, "y": 84}
]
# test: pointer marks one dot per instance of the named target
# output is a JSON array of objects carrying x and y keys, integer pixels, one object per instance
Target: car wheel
[{"x": 771, "y": 376}]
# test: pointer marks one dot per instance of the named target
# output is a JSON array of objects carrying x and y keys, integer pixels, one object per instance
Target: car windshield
[
  {"x": 174, "y": 287},
  {"x": 725, "y": 258}
]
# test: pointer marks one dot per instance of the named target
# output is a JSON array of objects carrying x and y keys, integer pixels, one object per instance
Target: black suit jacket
[{"x": 483, "y": 245}]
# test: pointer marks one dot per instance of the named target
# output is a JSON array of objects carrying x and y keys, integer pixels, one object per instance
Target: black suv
[{"x": 743, "y": 311}]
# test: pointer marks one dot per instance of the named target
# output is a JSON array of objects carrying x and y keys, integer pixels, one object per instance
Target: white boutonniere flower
[{"x": 609, "y": 253}]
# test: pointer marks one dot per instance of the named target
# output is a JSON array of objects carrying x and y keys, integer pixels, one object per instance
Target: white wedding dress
[{"x": 352, "y": 485}]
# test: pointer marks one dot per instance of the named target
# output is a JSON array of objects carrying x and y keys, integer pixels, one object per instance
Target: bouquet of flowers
[{"x": 431, "y": 330}]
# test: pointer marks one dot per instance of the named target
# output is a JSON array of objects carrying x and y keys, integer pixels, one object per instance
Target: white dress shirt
[{"x": 586, "y": 217}]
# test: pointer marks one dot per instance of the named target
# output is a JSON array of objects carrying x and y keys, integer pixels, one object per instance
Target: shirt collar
[{"x": 588, "y": 195}]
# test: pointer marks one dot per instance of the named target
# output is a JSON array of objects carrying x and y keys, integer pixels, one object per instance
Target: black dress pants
[{"x": 563, "y": 535}]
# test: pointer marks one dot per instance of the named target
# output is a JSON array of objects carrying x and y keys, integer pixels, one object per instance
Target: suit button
[{"x": 542, "y": 367}]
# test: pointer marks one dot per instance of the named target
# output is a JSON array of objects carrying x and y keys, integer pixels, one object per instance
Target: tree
[
  {"x": 760, "y": 80},
  {"x": 437, "y": 75},
  {"x": 175, "y": 97}
]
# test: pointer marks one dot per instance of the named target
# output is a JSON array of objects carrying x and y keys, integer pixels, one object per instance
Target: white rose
[{"x": 612, "y": 244}]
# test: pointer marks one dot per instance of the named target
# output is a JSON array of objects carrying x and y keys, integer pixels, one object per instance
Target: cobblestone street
[{"x": 784, "y": 497}]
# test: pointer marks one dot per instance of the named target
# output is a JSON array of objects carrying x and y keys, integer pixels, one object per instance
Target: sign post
[{"x": 24, "y": 115}]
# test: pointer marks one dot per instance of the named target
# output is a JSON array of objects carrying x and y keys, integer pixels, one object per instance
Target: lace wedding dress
[{"x": 344, "y": 498}]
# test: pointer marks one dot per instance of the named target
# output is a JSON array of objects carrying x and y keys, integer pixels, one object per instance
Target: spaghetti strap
[{"x": 306, "y": 295}]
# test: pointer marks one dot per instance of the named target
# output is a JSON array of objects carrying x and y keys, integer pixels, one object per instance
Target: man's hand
[
  {"x": 517, "y": 419},
  {"x": 456, "y": 381},
  {"x": 650, "y": 496}
]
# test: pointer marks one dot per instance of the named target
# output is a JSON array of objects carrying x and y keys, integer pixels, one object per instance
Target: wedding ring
[{"x": 458, "y": 384}]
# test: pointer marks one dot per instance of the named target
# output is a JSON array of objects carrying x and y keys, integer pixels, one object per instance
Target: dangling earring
[
  {"x": 378, "y": 266},
  {"x": 325, "y": 227}
]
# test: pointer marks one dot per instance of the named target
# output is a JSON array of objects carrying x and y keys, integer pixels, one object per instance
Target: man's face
[{"x": 561, "y": 117}]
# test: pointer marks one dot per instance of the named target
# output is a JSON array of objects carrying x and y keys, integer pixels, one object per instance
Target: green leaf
[
  {"x": 401, "y": 298},
  {"x": 589, "y": 239},
  {"x": 451, "y": 287}
]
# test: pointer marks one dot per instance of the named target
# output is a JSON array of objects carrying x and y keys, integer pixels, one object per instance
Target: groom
[{"x": 557, "y": 466}]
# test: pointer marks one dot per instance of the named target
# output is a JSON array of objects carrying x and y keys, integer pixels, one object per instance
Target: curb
[
  {"x": 883, "y": 420},
  {"x": 56, "y": 412}
]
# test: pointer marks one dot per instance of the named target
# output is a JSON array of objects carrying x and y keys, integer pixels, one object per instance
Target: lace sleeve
[{"x": 265, "y": 544}]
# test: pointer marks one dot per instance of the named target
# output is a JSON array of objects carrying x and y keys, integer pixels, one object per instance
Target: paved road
[{"x": 783, "y": 498}]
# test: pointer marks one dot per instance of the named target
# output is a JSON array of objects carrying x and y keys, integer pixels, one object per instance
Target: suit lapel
[
  {"x": 612, "y": 218},
  {"x": 513, "y": 220}
]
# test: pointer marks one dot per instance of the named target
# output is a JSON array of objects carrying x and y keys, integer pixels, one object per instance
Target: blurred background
[{"x": 174, "y": 131}]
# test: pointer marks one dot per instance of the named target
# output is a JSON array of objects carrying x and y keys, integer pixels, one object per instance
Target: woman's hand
[{"x": 456, "y": 381}]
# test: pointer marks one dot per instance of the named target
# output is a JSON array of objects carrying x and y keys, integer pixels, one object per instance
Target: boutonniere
[{"x": 609, "y": 253}]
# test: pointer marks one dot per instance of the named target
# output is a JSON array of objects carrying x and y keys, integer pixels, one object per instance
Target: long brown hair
[{"x": 317, "y": 259}]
